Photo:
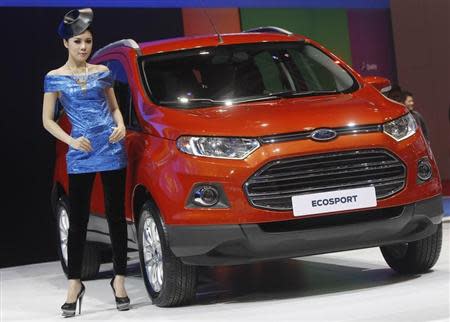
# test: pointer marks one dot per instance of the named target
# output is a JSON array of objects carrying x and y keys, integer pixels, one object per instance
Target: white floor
[{"x": 346, "y": 286}]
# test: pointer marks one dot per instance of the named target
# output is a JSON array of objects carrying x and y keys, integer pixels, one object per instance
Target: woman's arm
[
  {"x": 48, "y": 109},
  {"x": 119, "y": 131}
]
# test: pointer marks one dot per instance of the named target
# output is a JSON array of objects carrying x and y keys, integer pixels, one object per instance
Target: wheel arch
[{"x": 141, "y": 195}]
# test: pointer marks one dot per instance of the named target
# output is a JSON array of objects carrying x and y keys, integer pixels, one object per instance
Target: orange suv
[{"x": 254, "y": 146}]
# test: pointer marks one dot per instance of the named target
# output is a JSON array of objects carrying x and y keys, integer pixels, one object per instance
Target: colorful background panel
[
  {"x": 371, "y": 42},
  {"x": 361, "y": 37},
  {"x": 327, "y": 26}
]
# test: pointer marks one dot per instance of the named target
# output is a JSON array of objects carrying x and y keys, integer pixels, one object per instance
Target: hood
[{"x": 283, "y": 115}]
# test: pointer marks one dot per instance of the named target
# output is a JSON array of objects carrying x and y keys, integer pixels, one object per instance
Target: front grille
[{"x": 273, "y": 186}]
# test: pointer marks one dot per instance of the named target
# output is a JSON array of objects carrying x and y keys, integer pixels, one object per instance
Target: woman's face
[
  {"x": 409, "y": 102},
  {"x": 80, "y": 46}
]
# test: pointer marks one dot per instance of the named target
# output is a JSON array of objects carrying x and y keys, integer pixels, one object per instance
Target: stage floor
[{"x": 346, "y": 286}]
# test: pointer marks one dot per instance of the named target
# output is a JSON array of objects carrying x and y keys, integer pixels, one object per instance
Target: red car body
[{"x": 159, "y": 171}]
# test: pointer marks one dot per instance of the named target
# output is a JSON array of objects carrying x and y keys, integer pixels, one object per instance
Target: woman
[{"x": 95, "y": 145}]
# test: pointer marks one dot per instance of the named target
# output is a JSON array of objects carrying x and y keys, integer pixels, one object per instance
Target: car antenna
[{"x": 214, "y": 27}]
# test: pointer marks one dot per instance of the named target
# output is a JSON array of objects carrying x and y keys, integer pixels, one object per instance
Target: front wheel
[
  {"x": 168, "y": 281},
  {"x": 415, "y": 257}
]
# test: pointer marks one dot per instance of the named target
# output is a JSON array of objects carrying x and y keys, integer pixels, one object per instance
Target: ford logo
[{"x": 323, "y": 134}]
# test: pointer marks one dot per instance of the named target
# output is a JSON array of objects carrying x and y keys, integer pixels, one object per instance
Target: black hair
[
  {"x": 87, "y": 29},
  {"x": 404, "y": 95},
  {"x": 395, "y": 93}
]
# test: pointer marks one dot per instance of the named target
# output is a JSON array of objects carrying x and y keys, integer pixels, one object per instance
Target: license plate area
[{"x": 333, "y": 201}]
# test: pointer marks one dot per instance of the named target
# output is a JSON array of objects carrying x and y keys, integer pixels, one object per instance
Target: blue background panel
[{"x": 367, "y": 4}]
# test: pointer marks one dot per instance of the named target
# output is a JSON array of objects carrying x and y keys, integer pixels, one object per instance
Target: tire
[
  {"x": 415, "y": 257},
  {"x": 168, "y": 281},
  {"x": 91, "y": 254}
]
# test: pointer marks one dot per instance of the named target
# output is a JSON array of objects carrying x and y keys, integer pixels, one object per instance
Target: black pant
[{"x": 80, "y": 188}]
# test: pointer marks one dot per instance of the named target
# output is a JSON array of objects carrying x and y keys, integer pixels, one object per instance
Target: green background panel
[{"x": 329, "y": 27}]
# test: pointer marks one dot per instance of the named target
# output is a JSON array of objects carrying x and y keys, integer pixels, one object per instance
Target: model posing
[{"x": 95, "y": 145}]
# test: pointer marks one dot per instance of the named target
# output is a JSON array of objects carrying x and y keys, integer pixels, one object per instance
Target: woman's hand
[
  {"x": 81, "y": 144},
  {"x": 117, "y": 134}
]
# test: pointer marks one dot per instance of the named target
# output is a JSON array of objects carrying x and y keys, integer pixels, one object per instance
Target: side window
[{"x": 123, "y": 94}]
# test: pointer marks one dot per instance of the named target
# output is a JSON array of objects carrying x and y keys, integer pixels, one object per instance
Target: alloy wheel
[
  {"x": 152, "y": 254},
  {"x": 63, "y": 232}
]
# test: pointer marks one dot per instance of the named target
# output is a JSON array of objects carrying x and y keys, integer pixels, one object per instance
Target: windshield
[{"x": 232, "y": 74}]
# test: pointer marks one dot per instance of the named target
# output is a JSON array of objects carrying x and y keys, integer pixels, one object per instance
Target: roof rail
[
  {"x": 270, "y": 29},
  {"x": 124, "y": 42}
]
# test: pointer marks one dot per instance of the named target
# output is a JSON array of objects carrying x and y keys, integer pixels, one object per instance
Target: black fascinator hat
[{"x": 75, "y": 22}]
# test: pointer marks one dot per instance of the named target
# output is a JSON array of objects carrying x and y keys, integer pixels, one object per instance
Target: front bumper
[{"x": 239, "y": 244}]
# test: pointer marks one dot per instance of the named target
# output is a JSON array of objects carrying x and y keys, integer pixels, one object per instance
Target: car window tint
[
  {"x": 123, "y": 93},
  {"x": 271, "y": 72},
  {"x": 320, "y": 71},
  {"x": 207, "y": 76}
]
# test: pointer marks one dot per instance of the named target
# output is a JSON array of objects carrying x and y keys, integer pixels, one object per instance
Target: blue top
[{"x": 90, "y": 116}]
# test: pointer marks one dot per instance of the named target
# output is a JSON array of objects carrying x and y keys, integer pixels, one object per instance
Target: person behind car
[
  {"x": 95, "y": 146},
  {"x": 395, "y": 93},
  {"x": 407, "y": 99}
]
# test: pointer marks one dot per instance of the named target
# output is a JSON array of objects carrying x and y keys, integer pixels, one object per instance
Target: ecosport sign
[{"x": 332, "y": 201}]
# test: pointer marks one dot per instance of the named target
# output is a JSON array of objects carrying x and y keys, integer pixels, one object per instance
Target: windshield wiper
[
  {"x": 293, "y": 93},
  {"x": 187, "y": 101},
  {"x": 275, "y": 95}
]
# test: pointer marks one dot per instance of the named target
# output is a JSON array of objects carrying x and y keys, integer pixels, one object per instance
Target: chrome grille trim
[
  {"x": 307, "y": 134},
  {"x": 340, "y": 186},
  {"x": 312, "y": 173},
  {"x": 272, "y": 186}
]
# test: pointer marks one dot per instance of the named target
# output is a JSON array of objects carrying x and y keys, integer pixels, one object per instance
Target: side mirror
[{"x": 380, "y": 83}]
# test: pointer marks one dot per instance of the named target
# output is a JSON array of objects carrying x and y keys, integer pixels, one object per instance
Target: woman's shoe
[
  {"x": 122, "y": 303},
  {"x": 68, "y": 309}
]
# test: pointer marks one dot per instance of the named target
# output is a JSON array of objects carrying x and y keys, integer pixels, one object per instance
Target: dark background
[{"x": 30, "y": 47}]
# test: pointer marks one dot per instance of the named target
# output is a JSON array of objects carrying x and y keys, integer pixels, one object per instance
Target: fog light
[
  {"x": 206, "y": 196},
  {"x": 424, "y": 171}
]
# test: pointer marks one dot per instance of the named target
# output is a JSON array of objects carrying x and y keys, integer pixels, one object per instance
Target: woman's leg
[
  {"x": 80, "y": 187},
  {"x": 114, "y": 193}
]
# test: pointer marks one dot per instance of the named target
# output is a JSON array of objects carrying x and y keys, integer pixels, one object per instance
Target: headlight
[
  {"x": 217, "y": 147},
  {"x": 401, "y": 128}
]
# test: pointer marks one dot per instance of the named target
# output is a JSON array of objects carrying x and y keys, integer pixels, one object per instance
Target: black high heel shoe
[
  {"x": 122, "y": 303},
  {"x": 68, "y": 309}
]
